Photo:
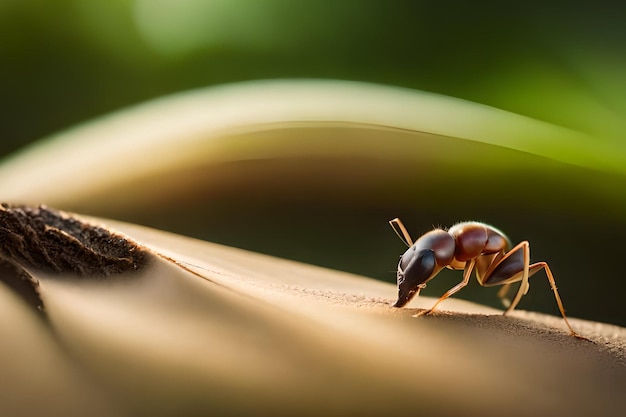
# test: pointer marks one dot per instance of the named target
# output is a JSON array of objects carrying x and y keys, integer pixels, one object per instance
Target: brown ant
[{"x": 468, "y": 246}]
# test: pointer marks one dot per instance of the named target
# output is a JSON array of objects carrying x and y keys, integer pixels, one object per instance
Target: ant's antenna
[{"x": 401, "y": 231}]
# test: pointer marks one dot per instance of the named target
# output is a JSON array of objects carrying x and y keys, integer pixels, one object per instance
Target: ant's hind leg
[
  {"x": 546, "y": 268},
  {"x": 513, "y": 267}
]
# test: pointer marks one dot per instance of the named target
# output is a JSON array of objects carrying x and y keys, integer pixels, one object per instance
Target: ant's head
[
  {"x": 414, "y": 269},
  {"x": 421, "y": 262}
]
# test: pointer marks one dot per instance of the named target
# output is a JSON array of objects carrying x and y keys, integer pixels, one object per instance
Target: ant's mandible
[{"x": 468, "y": 246}]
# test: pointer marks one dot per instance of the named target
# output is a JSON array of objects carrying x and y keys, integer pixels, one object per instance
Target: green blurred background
[{"x": 67, "y": 61}]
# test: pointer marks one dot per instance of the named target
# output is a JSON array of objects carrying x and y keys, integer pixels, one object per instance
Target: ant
[{"x": 468, "y": 246}]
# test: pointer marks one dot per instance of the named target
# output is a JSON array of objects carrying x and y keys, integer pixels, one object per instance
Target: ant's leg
[
  {"x": 516, "y": 263},
  {"x": 546, "y": 268},
  {"x": 466, "y": 276},
  {"x": 502, "y": 295},
  {"x": 523, "y": 288}
]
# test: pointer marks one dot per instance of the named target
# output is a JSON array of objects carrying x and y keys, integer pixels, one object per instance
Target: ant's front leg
[{"x": 466, "y": 277}]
